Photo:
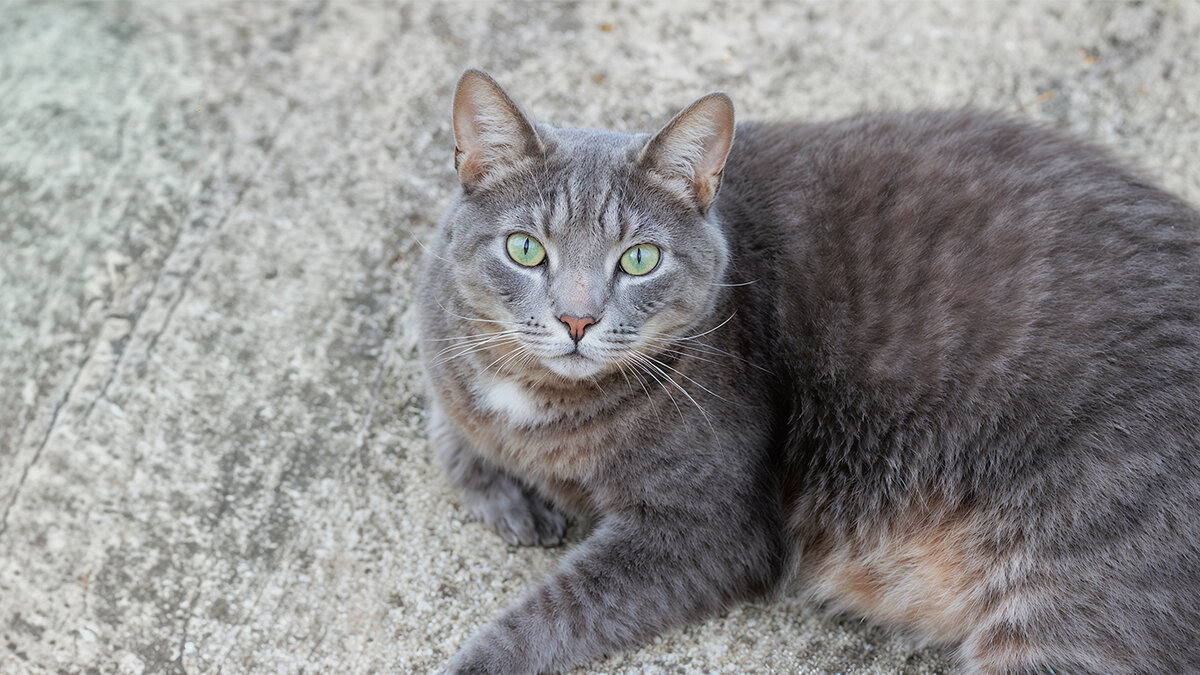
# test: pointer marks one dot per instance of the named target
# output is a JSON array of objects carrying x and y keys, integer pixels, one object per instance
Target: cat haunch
[{"x": 939, "y": 369}]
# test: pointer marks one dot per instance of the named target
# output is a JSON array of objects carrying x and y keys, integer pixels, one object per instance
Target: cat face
[{"x": 589, "y": 250}]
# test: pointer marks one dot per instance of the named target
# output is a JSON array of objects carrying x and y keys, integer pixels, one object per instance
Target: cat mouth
[{"x": 573, "y": 365}]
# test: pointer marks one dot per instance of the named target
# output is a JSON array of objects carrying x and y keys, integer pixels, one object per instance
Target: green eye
[
  {"x": 525, "y": 250},
  {"x": 640, "y": 259}
]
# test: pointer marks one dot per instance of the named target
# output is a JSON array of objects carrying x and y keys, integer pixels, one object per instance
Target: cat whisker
[
  {"x": 658, "y": 365},
  {"x": 542, "y": 378},
  {"x": 705, "y": 350},
  {"x": 475, "y": 341},
  {"x": 471, "y": 336},
  {"x": 646, "y": 368},
  {"x": 633, "y": 369},
  {"x": 465, "y": 343},
  {"x": 474, "y": 348},
  {"x": 524, "y": 360},
  {"x": 667, "y": 347},
  {"x": 424, "y": 247},
  {"x": 530, "y": 359},
  {"x": 686, "y": 355},
  {"x": 467, "y": 318},
  {"x": 744, "y": 283},
  {"x": 689, "y": 379},
  {"x": 595, "y": 382},
  {"x": 693, "y": 349},
  {"x": 621, "y": 369},
  {"x": 697, "y": 335},
  {"x": 701, "y": 347},
  {"x": 502, "y": 360}
]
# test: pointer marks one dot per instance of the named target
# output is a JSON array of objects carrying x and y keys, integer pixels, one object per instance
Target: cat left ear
[
  {"x": 491, "y": 134},
  {"x": 690, "y": 151}
]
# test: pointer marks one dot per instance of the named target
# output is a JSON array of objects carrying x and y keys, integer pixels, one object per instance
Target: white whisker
[
  {"x": 655, "y": 363},
  {"x": 473, "y": 348},
  {"x": 647, "y": 368},
  {"x": 424, "y": 247},
  {"x": 698, "y": 335},
  {"x": 683, "y": 375},
  {"x": 473, "y": 342},
  {"x": 633, "y": 368},
  {"x": 467, "y": 318},
  {"x": 502, "y": 360},
  {"x": 469, "y": 337}
]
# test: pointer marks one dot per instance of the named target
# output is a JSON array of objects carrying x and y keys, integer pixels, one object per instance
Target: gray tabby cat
[{"x": 940, "y": 370}]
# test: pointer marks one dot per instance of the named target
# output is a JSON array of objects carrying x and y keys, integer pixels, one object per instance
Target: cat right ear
[
  {"x": 689, "y": 152},
  {"x": 491, "y": 134}
]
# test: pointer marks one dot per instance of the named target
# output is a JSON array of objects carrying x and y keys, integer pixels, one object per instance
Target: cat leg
[
  {"x": 505, "y": 505},
  {"x": 1026, "y": 638},
  {"x": 1003, "y": 647},
  {"x": 629, "y": 581}
]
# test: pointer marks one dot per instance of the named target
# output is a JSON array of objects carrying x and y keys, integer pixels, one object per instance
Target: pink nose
[{"x": 576, "y": 326}]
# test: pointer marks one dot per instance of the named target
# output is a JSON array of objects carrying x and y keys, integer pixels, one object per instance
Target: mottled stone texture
[{"x": 210, "y": 446}]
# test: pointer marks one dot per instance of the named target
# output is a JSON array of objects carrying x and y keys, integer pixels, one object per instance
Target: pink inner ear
[
  {"x": 466, "y": 110},
  {"x": 471, "y": 102},
  {"x": 706, "y": 186},
  {"x": 712, "y": 162},
  {"x": 719, "y": 139},
  {"x": 694, "y": 145},
  {"x": 470, "y": 169},
  {"x": 490, "y": 131}
]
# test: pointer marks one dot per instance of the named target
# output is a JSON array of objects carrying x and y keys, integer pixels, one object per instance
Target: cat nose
[{"x": 576, "y": 326}]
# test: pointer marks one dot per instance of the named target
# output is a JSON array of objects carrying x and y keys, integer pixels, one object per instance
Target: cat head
[{"x": 588, "y": 247}]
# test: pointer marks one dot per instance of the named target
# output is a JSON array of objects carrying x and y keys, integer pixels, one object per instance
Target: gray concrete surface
[{"x": 210, "y": 451}]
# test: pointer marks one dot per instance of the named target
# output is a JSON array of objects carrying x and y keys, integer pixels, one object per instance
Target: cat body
[{"x": 940, "y": 370}]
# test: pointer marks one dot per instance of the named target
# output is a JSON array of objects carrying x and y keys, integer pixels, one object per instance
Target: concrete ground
[{"x": 210, "y": 448}]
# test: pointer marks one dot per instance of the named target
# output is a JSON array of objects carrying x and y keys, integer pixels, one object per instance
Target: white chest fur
[{"x": 511, "y": 401}]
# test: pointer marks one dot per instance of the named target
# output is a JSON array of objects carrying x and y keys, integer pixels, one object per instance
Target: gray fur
[{"x": 939, "y": 369}]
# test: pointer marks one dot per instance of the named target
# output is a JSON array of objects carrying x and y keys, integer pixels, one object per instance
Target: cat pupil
[{"x": 526, "y": 245}]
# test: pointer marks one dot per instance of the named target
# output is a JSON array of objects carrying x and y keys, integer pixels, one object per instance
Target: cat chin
[{"x": 573, "y": 366}]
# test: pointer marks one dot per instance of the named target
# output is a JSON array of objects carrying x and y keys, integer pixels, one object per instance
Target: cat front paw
[
  {"x": 480, "y": 656},
  {"x": 520, "y": 517}
]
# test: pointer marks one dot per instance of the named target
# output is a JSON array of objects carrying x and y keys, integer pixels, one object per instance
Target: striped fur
[{"x": 940, "y": 370}]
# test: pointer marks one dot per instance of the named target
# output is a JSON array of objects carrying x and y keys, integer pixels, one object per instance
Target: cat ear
[
  {"x": 690, "y": 151},
  {"x": 491, "y": 134}
]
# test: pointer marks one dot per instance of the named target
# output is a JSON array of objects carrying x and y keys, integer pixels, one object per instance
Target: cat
[{"x": 940, "y": 370}]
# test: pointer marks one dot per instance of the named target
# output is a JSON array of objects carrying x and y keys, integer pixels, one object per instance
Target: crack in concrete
[
  {"x": 193, "y": 267},
  {"x": 269, "y": 146},
  {"x": 180, "y": 293},
  {"x": 46, "y": 437},
  {"x": 134, "y": 319},
  {"x": 187, "y": 620},
  {"x": 94, "y": 345},
  {"x": 300, "y": 22}
]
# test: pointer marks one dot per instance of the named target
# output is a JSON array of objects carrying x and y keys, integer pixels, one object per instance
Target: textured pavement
[{"x": 210, "y": 448}]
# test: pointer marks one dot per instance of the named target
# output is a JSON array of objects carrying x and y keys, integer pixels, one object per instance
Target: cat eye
[
  {"x": 640, "y": 259},
  {"x": 525, "y": 250}
]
